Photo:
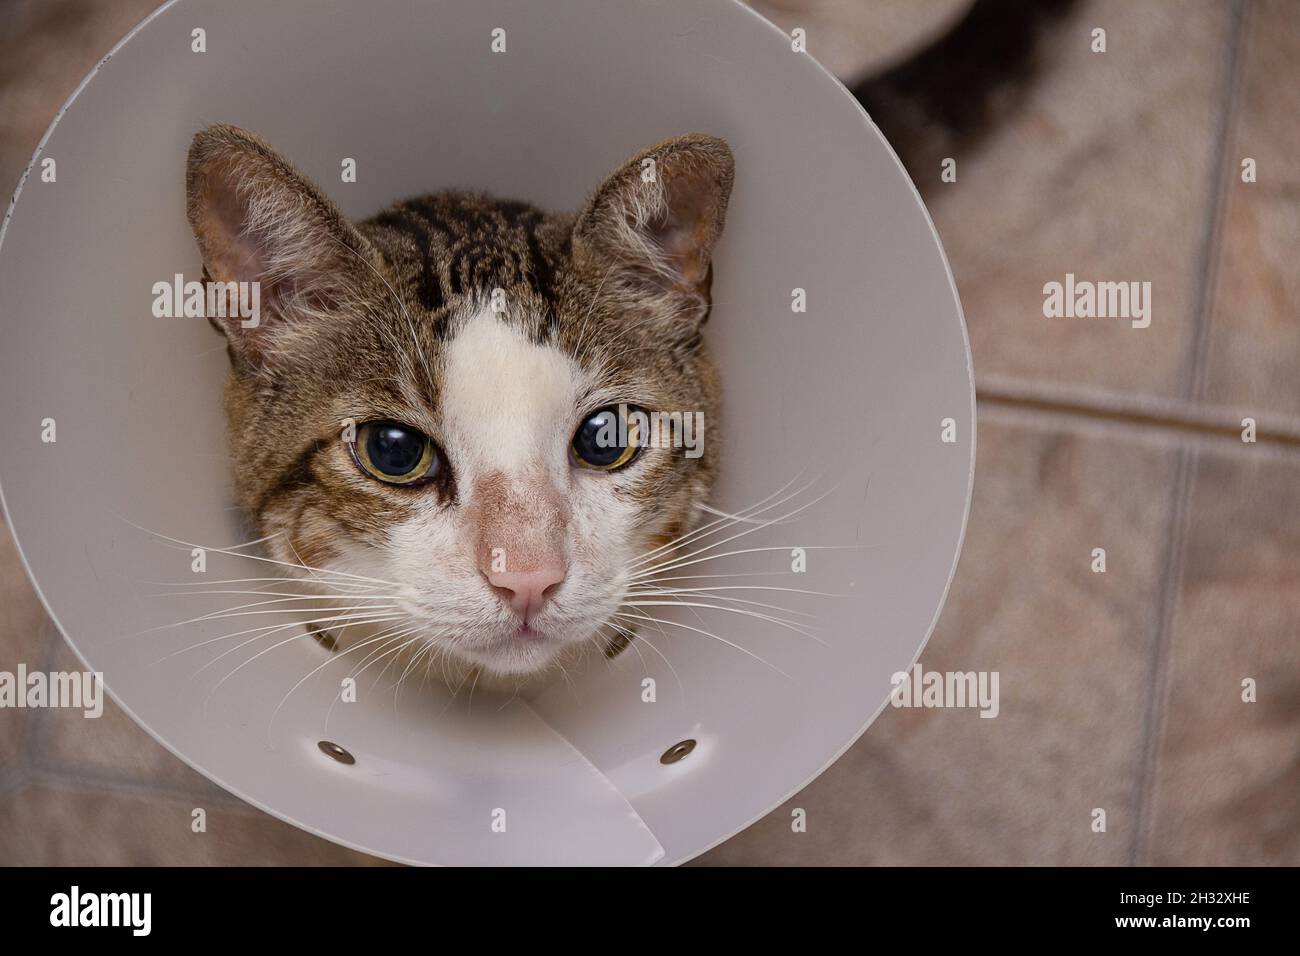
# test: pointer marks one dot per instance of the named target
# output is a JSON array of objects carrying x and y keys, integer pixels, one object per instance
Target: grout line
[
  {"x": 1168, "y": 424},
  {"x": 1176, "y": 539},
  {"x": 1223, "y": 173},
  {"x": 40, "y": 769},
  {"x": 35, "y": 733},
  {"x": 92, "y": 780},
  {"x": 1166, "y": 605}
]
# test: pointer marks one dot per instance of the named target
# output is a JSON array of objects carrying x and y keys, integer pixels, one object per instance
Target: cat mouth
[
  {"x": 517, "y": 647},
  {"x": 524, "y": 635},
  {"x": 518, "y": 650}
]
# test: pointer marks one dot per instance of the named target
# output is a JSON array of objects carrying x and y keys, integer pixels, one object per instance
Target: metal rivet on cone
[
  {"x": 331, "y": 749},
  {"x": 677, "y": 751}
]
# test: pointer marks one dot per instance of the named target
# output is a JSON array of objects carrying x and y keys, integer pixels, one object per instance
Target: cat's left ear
[{"x": 651, "y": 227}]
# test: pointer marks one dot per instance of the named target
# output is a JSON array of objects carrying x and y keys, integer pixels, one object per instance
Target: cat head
[{"x": 486, "y": 413}]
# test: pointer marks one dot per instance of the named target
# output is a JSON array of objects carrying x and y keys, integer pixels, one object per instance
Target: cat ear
[
  {"x": 257, "y": 219},
  {"x": 650, "y": 229}
]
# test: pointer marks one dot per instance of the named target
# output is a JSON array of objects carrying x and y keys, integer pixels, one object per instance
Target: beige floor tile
[
  {"x": 62, "y": 826},
  {"x": 25, "y": 638},
  {"x": 1073, "y": 651},
  {"x": 1254, "y": 364},
  {"x": 1228, "y": 772},
  {"x": 1104, "y": 172}
]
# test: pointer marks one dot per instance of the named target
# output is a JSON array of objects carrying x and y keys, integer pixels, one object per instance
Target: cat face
[{"x": 444, "y": 407}]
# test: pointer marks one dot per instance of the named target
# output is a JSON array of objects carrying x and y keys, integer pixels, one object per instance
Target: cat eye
[
  {"x": 607, "y": 439},
  {"x": 396, "y": 454}
]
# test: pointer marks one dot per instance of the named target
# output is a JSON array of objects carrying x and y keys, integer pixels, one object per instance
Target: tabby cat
[{"x": 418, "y": 411}]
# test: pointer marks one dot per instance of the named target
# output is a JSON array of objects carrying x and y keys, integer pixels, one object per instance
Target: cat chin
[
  {"x": 515, "y": 657},
  {"x": 513, "y": 664}
]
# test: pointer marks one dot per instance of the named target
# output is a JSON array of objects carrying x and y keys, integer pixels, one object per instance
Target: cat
[{"x": 418, "y": 410}]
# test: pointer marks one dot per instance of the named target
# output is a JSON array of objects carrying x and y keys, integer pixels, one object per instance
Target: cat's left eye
[
  {"x": 607, "y": 439},
  {"x": 394, "y": 453}
]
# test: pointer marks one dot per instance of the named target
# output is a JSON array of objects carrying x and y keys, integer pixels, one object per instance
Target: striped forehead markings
[{"x": 470, "y": 243}]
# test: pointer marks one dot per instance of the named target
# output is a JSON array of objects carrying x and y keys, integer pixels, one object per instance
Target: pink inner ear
[
  {"x": 233, "y": 255},
  {"x": 683, "y": 245},
  {"x": 683, "y": 231}
]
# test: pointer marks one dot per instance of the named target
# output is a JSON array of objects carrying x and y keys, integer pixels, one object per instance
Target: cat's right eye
[{"x": 395, "y": 453}]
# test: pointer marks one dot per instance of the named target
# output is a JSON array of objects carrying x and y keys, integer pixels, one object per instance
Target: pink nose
[{"x": 526, "y": 591}]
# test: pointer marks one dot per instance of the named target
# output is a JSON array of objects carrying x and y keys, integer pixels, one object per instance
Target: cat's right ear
[{"x": 257, "y": 219}]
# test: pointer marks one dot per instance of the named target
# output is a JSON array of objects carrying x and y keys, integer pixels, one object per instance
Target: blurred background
[{"x": 1120, "y": 690}]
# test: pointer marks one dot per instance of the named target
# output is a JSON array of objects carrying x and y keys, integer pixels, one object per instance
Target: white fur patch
[{"x": 508, "y": 403}]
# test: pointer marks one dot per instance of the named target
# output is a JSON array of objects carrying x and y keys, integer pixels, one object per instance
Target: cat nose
[{"x": 527, "y": 591}]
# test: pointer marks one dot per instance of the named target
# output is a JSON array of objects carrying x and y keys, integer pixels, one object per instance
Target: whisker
[
  {"x": 253, "y": 557},
  {"x": 709, "y": 527},
  {"x": 734, "y": 518},
  {"x": 757, "y": 615},
  {"x": 704, "y": 577},
  {"x": 263, "y": 631},
  {"x": 672, "y": 566},
  {"x": 226, "y": 614},
  {"x": 677, "y": 599},
  {"x": 289, "y": 595},
  {"x": 332, "y": 659},
  {"x": 243, "y": 664},
  {"x": 635, "y": 640},
  {"x": 396, "y": 637},
  {"x": 697, "y": 592},
  {"x": 748, "y": 531},
  {"x": 708, "y": 634}
]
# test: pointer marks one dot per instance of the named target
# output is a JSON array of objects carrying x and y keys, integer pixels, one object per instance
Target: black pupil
[
  {"x": 597, "y": 440},
  {"x": 395, "y": 450}
]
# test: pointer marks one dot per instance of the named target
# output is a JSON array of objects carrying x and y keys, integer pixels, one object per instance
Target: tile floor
[{"x": 1119, "y": 690}]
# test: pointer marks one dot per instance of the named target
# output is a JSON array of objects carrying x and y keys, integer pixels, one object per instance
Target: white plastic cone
[{"x": 853, "y": 392}]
